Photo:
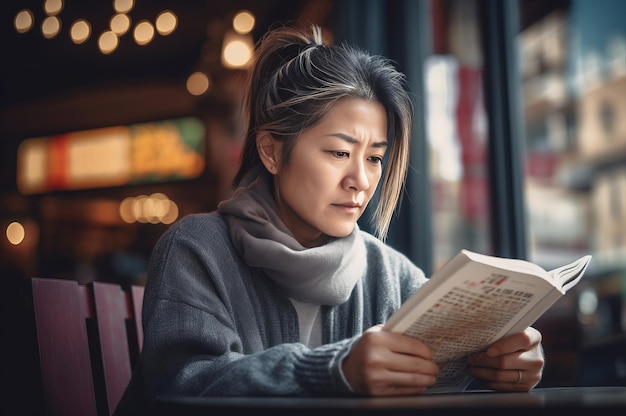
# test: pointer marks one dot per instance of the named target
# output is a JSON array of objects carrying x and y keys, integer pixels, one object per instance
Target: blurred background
[{"x": 119, "y": 117}]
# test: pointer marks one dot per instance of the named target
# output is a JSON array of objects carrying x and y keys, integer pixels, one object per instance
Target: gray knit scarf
[{"x": 324, "y": 275}]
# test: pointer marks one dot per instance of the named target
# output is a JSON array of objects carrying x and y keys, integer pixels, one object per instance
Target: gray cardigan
[{"x": 215, "y": 327}]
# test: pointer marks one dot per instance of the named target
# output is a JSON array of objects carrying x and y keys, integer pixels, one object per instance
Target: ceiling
[
  {"x": 51, "y": 86},
  {"x": 33, "y": 67}
]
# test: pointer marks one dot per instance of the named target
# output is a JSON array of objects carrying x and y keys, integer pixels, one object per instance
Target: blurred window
[
  {"x": 572, "y": 57},
  {"x": 457, "y": 132}
]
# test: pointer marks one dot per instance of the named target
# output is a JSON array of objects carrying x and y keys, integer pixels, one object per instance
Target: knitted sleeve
[{"x": 214, "y": 327}]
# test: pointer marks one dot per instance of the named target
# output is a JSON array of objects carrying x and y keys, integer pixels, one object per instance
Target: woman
[{"x": 279, "y": 292}]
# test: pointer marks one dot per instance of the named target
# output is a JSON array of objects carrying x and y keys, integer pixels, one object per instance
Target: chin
[{"x": 340, "y": 232}]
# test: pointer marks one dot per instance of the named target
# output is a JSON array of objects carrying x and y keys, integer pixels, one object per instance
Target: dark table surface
[{"x": 605, "y": 400}]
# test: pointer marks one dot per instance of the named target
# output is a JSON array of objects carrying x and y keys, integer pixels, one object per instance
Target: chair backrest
[{"x": 89, "y": 337}]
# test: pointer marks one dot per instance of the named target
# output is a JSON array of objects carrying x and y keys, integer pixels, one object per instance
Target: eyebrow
[{"x": 352, "y": 140}]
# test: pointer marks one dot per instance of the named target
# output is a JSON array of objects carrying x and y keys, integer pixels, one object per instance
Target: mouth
[
  {"x": 350, "y": 204},
  {"x": 350, "y": 207}
]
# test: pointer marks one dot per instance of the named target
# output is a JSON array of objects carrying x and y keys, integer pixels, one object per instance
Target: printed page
[
  {"x": 467, "y": 313},
  {"x": 514, "y": 265},
  {"x": 473, "y": 301}
]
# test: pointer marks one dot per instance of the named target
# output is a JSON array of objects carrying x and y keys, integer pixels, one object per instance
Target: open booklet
[{"x": 474, "y": 300}]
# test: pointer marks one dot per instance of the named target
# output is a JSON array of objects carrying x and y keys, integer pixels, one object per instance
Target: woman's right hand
[{"x": 385, "y": 363}]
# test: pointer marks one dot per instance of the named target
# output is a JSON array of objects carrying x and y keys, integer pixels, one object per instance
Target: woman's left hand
[{"x": 514, "y": 363}]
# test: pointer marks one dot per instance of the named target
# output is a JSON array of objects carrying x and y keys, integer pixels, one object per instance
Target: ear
[{"x": 269, "y": 151}]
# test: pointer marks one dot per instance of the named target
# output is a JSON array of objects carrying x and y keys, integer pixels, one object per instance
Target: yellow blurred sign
[{"x": 113, "y": 156}]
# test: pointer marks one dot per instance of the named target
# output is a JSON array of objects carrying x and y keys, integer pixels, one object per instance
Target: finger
[
  {"x": 397, "y": 342},
  {"x": 410, "y": 379},
  {"x": 481, "y": 359},
  {"x": 398, "y": 353},
  {"x": 404, "y": 344},
  {"x": 374, "y": 365},
  {"x": 403, "y": 363},
  {"x": 516, "y": 342},
  {"x": 511, "y": 379},
  {"x": 526, "y": 360}
]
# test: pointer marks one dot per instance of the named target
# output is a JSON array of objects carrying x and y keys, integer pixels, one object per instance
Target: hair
[{"x": 294, "y": 81}]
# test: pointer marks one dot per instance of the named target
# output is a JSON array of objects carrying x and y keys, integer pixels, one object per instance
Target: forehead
[
  {"x": 352, "y": 119},
  {"x": 357, "y": 113}
]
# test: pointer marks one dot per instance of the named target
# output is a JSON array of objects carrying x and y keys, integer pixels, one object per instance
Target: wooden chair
[{"x": 89, "y": 337}]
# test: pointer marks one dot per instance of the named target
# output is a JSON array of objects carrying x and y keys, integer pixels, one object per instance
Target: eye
[
  {"x": 375, "y": 159},
  {"x": 339, "y": 154}
]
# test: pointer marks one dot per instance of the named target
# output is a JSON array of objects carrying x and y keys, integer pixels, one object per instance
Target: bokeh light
[
  {"x": 243, "y": 22},
  {"x": 23, "y": 21},
  {"x": 153, "y": 209},
  {"x": 237, "y": 49},
  {"x": 80, "y": 31},
  {"x": 53, "y": 7},
  {"x": 144, "y": 32},
  {"x": 108, "y": 42},
  {"x": 120, "y": 23},
  {"x": 198, "y": 83},
  {"x": 123, "y": 6},
  {"x": 50, "y": 27},
  {"x": 15, "y": 233},
  {"x": 166, "y": 23}
]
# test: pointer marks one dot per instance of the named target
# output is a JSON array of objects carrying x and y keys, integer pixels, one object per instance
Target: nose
[{"x": 357, "y": 177}]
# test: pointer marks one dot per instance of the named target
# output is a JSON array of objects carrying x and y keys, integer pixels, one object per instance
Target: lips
[{"x": 350, "y": 205}]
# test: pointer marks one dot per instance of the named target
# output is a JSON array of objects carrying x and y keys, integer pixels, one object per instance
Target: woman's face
[{"x": 333, "y": 171}]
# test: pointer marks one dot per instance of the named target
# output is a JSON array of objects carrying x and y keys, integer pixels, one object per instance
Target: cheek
[
  {"x": 312, "y": 191},
  {"x": 374, "y": 180},
  {"x": 299, "y": 190}
]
